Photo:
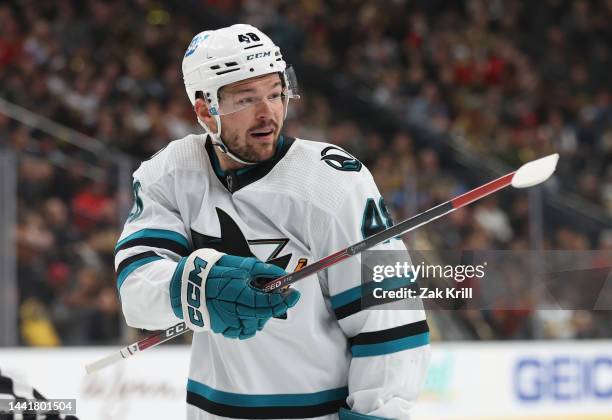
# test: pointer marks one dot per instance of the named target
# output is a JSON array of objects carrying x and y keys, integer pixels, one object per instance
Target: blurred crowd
[
  {"x": 514, "y": 80},
  {"x": 511, "y": 79},
  {"x": 66, "y": 232}
]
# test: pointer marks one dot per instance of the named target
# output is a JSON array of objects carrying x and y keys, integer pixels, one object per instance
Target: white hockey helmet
[{"x": 220, "y": 57}]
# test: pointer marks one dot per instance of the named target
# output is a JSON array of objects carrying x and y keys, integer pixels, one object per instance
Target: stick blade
[{"x": 535, "y": 172}]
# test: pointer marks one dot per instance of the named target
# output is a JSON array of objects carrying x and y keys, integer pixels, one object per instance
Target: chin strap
[
  {"x": 216, "y": 140},
  {"x": 231, "y": 155}
]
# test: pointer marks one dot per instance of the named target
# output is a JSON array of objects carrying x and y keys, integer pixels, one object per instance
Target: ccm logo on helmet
[{"x": 259, "y": 55}]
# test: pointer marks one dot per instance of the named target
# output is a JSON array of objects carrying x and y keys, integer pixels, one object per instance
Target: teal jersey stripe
[
  {"x": 356, "y": 292},
  {"x": 393, "y": 346},
  {"x": 175, "y": 288},
  {"x": 156, "y": 233},
  {"x": 345, "y": 297},
  {"x": 345, "y": 414},
  {"x": 266, "y": 400},
  {"x": 130, "y": 268}
]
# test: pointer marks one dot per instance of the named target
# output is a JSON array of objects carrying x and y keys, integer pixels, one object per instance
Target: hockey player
[{"x": 213, "y": 212}]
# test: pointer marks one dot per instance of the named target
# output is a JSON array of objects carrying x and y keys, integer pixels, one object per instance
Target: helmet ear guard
[{"x": 218, "y": 58}]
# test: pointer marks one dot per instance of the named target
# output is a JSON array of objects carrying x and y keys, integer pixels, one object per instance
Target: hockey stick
[{"x": 528, "y": 175}]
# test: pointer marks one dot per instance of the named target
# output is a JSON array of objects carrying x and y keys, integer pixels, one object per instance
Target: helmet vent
[
  {"x": 253, "y": 46},
  {"x": 215, "y": 67},
  {"x": 231, "y": 63},
  {"x": 219, "y": 73}
]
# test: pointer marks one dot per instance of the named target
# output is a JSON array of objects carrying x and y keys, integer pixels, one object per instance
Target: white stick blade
[{"x": 535, "y": 172}]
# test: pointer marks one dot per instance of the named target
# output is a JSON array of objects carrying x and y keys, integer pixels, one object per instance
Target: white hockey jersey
[{"x": 310, "y": 200}]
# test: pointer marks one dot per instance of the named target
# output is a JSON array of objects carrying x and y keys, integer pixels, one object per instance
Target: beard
[{"x": 247, "y": 148}]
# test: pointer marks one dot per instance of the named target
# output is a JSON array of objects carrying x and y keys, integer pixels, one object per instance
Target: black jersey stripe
[
  {"x": 161, "y": 243},
  {"x": 390, "y": 334},
  {"x": 361, "y": 297},
  {"x": 294, "y": 412},
  {"x": 348, "y": 309},
  {"x": 132, "y": 259}
]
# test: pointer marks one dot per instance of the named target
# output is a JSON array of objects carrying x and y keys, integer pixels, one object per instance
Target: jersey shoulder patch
[
  {"x": 340, "y": 159},
  {"x": 330, "y": 155},
  {"x": 314, "y": 171}
]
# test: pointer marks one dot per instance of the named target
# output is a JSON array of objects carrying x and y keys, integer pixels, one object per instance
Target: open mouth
[{"x": 262, "y": 133}]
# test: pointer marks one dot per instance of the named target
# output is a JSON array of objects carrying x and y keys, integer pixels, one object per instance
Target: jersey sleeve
[
  {"x": 153, "y": 241},
  {"x": 389, "y": 347}
]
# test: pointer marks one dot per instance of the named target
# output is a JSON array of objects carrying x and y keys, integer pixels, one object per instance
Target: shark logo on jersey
[
  {"x": 233, "y": 242},
  {"x": 340, "y": 159}
]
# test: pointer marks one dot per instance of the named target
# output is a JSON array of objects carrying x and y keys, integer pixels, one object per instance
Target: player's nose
[{"x": 264, "y": 109}]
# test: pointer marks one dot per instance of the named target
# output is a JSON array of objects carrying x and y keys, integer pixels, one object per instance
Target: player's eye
[
  {"x": 275, "y": 96},
  {"x": 248, "y": 100}
]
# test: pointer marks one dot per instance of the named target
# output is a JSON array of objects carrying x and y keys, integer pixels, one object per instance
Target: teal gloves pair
[
  {"x": 236, "y": 308},
  {"x": 213, "y": 291}
]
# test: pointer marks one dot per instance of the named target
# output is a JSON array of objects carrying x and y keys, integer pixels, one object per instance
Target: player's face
[{"x": 252, "y": 128}]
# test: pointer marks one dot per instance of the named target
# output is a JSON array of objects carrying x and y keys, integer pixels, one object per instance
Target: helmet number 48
[{"x": 248, "y": 37}]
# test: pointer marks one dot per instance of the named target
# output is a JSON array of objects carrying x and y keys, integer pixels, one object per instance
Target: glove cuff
[
  {"x": 345, "y": 414},
  {"x": 189, "y": 283}
]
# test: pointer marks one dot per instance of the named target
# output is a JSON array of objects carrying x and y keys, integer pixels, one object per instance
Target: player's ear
[{"x": 201, "y": 110}]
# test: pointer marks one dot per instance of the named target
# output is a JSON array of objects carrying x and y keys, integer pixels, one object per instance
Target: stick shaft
[{"x": 402, "y": 227}]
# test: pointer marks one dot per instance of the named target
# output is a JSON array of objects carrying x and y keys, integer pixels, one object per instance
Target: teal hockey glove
[{"x": 215, "y": 291}]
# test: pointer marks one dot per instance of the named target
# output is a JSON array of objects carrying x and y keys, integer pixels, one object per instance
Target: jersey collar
[{"x": 234, "y": 180}]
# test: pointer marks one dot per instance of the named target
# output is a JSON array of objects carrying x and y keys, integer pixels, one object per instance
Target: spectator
[{"x": 495, "y": 73}]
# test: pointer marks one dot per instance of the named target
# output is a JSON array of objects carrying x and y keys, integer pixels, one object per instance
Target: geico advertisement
[
  {"x": 504, "y": 380},
  {"x": 519, "y": 380},
  {"x": 563, "y": 379}
]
